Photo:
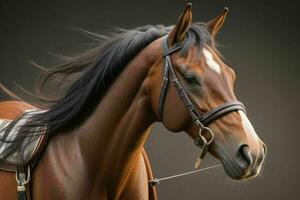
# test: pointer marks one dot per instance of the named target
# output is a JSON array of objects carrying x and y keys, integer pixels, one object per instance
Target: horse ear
[
  {"x": 215, "y": 24},
  {"x": 177, "y": 34}
]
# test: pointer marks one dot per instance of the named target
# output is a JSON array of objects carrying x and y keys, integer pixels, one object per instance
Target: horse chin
[
  {"x": 234, "y": 173},
  {"x": 231, "y": 168},
  {"x": 237, "y": 173}
]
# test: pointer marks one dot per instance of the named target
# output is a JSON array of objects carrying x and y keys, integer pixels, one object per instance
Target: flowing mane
[{"x": 97, "y": 69}]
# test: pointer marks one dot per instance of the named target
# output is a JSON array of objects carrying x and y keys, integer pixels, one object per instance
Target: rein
[
  {"x": 205, "y": 135},
  {"x": 157, "y": 181}
]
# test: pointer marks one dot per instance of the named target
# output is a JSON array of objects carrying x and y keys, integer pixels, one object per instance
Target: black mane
[{"x": 98, "y": 68}]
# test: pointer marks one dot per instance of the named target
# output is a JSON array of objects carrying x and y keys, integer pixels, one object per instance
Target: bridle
[{"x": 205, "y": 135}]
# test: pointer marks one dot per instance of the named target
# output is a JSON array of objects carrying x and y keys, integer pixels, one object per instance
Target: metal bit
[{"x": 203, "y": 143}]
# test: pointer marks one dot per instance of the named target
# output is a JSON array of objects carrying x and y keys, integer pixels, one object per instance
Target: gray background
[{"x": 260, "y": 40}]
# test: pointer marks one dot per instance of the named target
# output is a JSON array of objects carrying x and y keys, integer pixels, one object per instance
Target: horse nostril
[
  {"x": 264, "y": 149},
  {"x": 244, "y": 158}
]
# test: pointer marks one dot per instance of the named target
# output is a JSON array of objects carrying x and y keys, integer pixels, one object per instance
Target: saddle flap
[{"x": 34, "y": 145}]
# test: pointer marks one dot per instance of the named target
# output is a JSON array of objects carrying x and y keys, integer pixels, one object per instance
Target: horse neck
[{"x": 112, "y": 137}]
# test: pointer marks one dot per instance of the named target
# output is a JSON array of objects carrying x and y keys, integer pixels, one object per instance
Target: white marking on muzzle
[
  {"x": 210, "y": 61},
  {"x": 248, "y": 128}
]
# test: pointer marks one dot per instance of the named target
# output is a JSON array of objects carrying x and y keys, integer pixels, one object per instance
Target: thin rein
[{"x": 156, "y": 181}]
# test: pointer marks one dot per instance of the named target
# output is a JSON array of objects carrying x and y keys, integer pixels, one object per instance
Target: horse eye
[{"x": 192, "y": 80}]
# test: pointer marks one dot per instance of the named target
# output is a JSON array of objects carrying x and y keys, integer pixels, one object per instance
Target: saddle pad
[{"x": 32, "y": 143}]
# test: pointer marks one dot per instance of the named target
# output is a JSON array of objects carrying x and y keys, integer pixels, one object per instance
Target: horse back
[{"x": 12, "y": 109}]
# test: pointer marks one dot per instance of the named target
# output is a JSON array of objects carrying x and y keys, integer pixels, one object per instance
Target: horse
[{"x": 97, "y": 129}]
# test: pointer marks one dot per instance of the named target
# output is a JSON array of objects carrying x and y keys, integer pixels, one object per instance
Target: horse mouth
[
  {"x": 236, "y": 172},
  {"x": 232, "y": 171}
]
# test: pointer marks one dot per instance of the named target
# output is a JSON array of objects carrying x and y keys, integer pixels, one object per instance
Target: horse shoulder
[{"x": 137, "y": 183}]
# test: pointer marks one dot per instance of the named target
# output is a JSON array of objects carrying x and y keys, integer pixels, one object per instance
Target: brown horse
[{"x": 97, "y": 130}]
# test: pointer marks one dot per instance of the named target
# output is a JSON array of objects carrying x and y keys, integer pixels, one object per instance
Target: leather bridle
[{"x": 205, "y": 136}]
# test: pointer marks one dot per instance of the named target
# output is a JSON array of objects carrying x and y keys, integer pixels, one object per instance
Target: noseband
[{"x": 205, "y": 136}]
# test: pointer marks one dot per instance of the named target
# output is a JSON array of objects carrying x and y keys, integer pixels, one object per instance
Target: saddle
[{"x": 30, "y": 153}]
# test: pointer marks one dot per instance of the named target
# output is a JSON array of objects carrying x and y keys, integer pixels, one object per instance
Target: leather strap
[
  {"x": 166, "y": 63},
  {"x": 221, "y": 110},
  {"x": 169, "y": 51}
]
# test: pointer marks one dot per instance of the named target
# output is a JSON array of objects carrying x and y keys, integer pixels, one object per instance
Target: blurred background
[{"x": 260, "y": 41}]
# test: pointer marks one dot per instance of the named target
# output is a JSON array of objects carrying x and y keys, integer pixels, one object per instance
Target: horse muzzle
[{"x": 245, "y": 163}]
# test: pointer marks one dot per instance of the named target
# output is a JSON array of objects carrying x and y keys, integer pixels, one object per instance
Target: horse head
[{"x": 208, "y": 83}]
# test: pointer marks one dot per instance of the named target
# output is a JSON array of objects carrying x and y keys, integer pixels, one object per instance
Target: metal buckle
[
  {"x": 22, "y": 179},
  {"x": 154, "y": 182},
  {"x": 205, "y": 138}
]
